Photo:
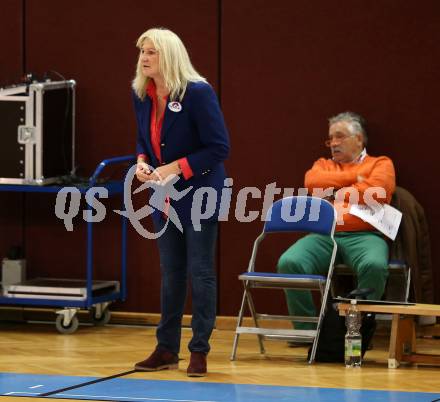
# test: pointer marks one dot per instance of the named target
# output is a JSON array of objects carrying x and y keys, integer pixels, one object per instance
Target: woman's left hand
[{"x": 163, "y": 173}]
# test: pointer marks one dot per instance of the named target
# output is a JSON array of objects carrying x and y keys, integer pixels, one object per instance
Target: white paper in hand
[{"x": 384, "y": 218}]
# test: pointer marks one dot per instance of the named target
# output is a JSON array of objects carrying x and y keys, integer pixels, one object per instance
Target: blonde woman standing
[{"x": 181, "y": 131}]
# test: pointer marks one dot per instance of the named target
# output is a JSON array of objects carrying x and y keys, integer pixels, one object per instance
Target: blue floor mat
[{"x": 137, "y": 390}]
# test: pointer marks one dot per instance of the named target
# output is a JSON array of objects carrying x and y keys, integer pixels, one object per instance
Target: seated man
[{"x": 351, "y": 170}]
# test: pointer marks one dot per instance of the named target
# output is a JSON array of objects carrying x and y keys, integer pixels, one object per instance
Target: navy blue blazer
[{"x": 197, "y": 132}]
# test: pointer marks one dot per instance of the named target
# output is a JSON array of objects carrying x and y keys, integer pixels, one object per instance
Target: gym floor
[{"x": 96, "y": 363}]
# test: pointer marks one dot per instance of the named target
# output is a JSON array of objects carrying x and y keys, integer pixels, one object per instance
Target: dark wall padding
[{"x": 282, "y": 69}]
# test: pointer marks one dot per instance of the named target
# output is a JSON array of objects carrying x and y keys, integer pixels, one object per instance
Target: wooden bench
[{"x": 403, "y": 336}]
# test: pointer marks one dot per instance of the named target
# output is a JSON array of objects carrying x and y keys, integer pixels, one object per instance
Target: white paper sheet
[{"x": 384, "y": 218}]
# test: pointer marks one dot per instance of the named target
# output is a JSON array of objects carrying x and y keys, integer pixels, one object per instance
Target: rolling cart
[{"x": 71, "y": 295}]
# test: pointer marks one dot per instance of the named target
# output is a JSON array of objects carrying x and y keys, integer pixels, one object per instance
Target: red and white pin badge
[{"x": 175, "y": 106}]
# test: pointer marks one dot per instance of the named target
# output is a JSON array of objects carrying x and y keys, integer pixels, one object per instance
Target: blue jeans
[{"x": 191, "y": 253}]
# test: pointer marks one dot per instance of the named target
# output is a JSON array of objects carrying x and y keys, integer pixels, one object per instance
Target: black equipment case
[{"x": 37, "y": 132}]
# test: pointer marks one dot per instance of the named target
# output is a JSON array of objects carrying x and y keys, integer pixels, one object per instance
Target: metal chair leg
[
  {"x": 324, "y": 297},
  {"x": 254, "y": 316},
  {"x": 408, "y": 283},
  {"x": 239, "y": 322}
]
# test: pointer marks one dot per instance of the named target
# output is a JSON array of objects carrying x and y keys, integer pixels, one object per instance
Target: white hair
[
  {"x": 355, "y": 122},
  {"x": 174, "y": 64}
]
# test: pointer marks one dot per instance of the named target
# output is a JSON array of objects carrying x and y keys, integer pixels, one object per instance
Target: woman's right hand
[{"x": 143, "y": 172}]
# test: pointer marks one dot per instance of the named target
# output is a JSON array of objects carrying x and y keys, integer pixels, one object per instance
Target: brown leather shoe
[
  {"x": 158, "y": 360},
  {"x": 197, "y": 365}
]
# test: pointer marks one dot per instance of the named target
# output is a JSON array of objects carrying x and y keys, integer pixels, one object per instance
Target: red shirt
[{"x": 156, "y": 129}]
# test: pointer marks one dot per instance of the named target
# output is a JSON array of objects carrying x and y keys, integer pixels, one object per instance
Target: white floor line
[
  {"x": 117, "y": 398},
  {"x": 21, "y": 393}
]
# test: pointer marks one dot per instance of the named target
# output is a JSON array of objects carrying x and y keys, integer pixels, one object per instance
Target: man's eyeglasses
[{"x": 337, "y": 139}]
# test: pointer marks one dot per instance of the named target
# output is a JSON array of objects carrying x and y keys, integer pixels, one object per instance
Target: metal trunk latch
[{"x": 26, "y": 134}]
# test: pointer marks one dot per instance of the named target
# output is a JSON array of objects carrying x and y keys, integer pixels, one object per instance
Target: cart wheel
[
  {"x": 103, "y": 319},
  {"x": 69, "y": 329}
]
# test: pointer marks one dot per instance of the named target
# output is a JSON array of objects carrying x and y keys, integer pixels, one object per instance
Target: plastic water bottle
[{"x": 353, "y": 337}]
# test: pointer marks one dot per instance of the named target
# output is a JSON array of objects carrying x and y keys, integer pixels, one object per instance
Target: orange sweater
[{"x": 375, "y": 172}]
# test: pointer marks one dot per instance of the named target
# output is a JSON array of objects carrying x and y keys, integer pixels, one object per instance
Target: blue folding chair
[{"x": 290, "y": 214}]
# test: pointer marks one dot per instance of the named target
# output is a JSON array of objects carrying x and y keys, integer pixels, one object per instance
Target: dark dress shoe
[
  {"x": 197, "y": 365},
  {"x": 158, "y": 360}
]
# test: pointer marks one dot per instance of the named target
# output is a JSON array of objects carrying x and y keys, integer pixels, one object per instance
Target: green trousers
[{"x": 365, "y": 252}]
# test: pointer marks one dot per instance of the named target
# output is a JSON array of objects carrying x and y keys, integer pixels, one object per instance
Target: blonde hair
[{"x": 174, "y": 64}]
